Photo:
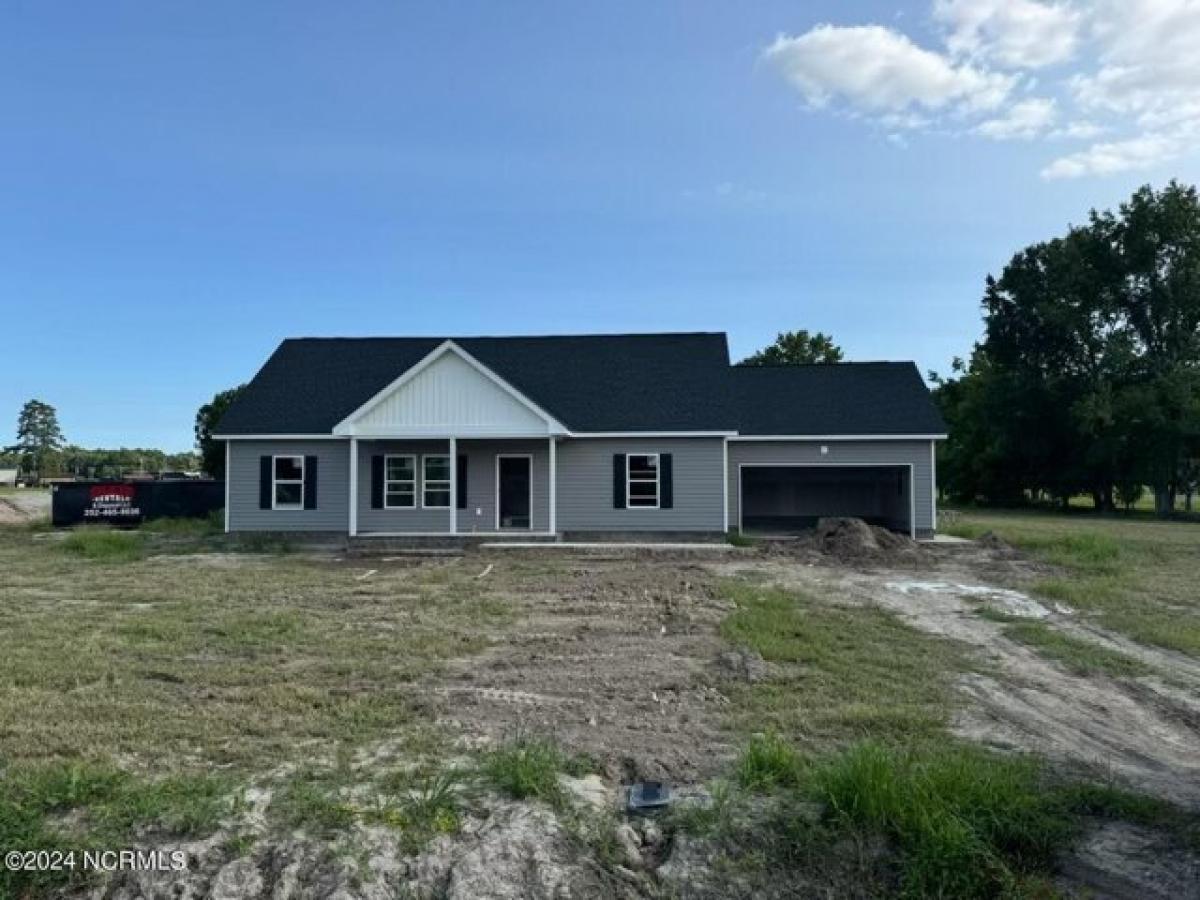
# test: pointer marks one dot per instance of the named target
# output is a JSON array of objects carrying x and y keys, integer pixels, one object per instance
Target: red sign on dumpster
[{"x": 112, "y": 501}]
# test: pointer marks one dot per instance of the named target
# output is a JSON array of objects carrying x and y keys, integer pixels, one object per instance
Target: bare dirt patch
[
  {"x": 619, "y": 661},
  {"x": 21, "y": 508}
]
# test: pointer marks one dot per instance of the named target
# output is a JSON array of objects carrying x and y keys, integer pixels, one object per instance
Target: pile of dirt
[
  {"x": 851, "y": 537},
  {"x": 850, "y": 540}
]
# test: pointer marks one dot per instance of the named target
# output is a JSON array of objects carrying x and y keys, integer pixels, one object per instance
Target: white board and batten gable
[{"x": 449, "y": 392}]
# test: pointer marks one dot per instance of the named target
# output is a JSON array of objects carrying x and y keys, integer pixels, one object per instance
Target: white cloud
[
  {"x": 876, "y": 70},
  {"x": 1111, "y": 158},
  {"x": 1080, "y": 130},
  {"x": 1126, "y": 69},
  {"x": 1024, "y": 120},
  {"x": 1019, "y": 34},
  {"x": 1149, "y": 62}
]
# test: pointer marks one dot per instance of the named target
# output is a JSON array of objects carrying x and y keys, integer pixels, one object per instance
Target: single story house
[{"x": 582, "y": 436}]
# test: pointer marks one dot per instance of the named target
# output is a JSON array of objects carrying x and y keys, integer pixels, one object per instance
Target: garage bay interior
[{"x": 786, "y": 499}]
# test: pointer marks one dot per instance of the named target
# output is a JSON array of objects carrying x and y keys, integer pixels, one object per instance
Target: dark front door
[{"x": 514, "y": 486}]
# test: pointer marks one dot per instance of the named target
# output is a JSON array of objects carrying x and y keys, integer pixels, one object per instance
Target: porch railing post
[
  {"x": 454, "y": 485},
  {"x": 553, "y": 486},
  {"x": 353, "y": 486}
]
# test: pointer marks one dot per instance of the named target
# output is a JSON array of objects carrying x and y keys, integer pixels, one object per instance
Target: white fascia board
[
  {"x": 346, "y": 426},
  {"x": 279, "y": 437},
  {"x": 389, "y": 432},
  {"x": 650, "y": 434},
  {"x": 839, "y": 437}
]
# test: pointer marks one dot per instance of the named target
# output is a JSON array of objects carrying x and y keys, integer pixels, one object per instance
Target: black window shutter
[
  {"x": 264, "y": 482},
  {"x": 666, "y": 482},
  {"x": 618, "y": 481},
  {"x": 310, "y": 482},
  {"x": 461, "y": 477},
  {"x": 376, "y": 482}
]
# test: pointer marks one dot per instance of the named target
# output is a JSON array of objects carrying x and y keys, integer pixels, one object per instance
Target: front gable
[{"x": 449, "y": 392}]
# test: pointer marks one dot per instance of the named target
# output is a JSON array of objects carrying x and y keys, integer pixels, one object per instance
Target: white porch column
[
  {"x": 353, "y": 486},
  {"x": 454, "y": 485},
  {"x": 553, "y": 486}
]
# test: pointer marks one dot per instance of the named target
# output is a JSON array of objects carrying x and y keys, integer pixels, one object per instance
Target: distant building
[{"x": 8, "y": 477}]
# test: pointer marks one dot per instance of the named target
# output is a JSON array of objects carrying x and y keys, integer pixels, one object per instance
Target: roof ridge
[{"x": 502, "y": 337}]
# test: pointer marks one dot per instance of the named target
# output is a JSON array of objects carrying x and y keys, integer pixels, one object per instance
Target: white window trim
[
  {"x": 657, "y": 481},
  {"x": 386, "y": 481},
  {"x": 275, "y": 482},
  {"x": 449, "y": 482}
]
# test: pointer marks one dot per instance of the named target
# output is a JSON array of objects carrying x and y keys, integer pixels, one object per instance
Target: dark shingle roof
[
  {"x": 627, "y": 382},
  {"x": 845, "y": 398}
]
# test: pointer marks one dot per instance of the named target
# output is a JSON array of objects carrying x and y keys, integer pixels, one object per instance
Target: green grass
[
  {"x": 184, "y": 663},
  {"x": 212, "y": 524},
  {"x": 711, "y": 819},
  {"x": 841, "y": 673},
  {"x": 1078, "y": 656},
  {"x": 768, "y": 761},
  {"x": 423, "y": 806},
  {"x": 528, "y": 767},
  {"x": 924, "y": 820},
  {"x": 82, "y": 806},
  {"x": 312, "y": 802},
  {"x": 1135, "y": 576},
  {"x": 104, "y": 545},
  {"x": 966, "y": 823}
]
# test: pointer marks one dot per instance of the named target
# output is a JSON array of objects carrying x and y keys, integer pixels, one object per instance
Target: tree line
[
  {"x": 1087, "y": 378},
  {"x": 41, "y": 451}
]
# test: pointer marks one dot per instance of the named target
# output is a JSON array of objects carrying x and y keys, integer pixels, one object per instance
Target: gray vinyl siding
[
  {"x": 480, "y": 513},
  {"x": 333, "y": 491},
  {"x": 585, "y": 485},
  {"x": 883, "y": 453}
]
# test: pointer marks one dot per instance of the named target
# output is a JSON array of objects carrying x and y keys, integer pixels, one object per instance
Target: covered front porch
[{"x": 436, "y": 487}]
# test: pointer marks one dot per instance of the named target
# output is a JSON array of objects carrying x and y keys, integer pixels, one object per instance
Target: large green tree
[
  {"x": 39, "y": 437},
  {"x": 1088, "y": 376},
  {"x": 212, "y": 452},
  {"x": 796, "y": 348}
]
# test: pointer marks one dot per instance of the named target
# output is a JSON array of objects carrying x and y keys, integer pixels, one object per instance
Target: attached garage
[
  {"x": 779, "y": 486},
  {"x": 785, "y": 498}
]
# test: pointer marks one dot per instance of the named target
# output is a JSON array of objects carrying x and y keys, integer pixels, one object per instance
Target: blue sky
[{"x": 183, "y": 185}]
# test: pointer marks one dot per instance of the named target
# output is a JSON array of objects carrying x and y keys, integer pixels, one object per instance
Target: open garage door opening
[{"x": 787, "y": 499}]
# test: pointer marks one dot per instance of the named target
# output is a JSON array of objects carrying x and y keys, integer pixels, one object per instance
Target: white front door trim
[{"x": 528, "y": 456}]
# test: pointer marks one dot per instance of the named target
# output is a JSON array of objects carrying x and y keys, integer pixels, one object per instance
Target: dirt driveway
[{"x": 1144, "y": 728}]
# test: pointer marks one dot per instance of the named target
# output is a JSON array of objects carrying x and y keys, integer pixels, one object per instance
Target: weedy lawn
[
  {"x": 149, "y": 677},
  {"x": 1135, "y": 576}
]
